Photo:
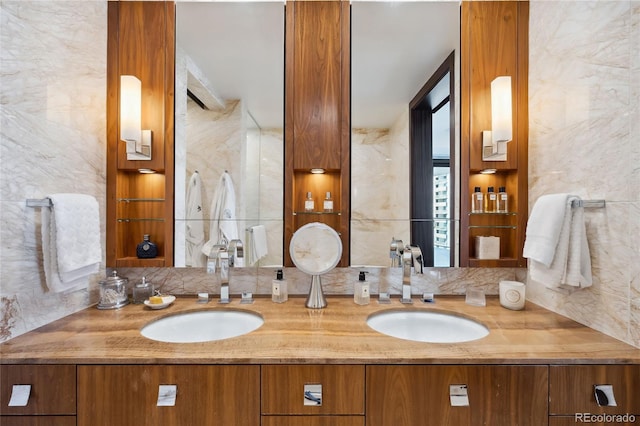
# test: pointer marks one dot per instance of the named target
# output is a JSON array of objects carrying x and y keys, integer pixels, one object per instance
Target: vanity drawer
[
  {"x": 342, "y": 389},
  {"x": 53, "y": 389},
  {"x": 571, "y": 388},
  {"x": 38, "y": 421},
  {"x": 313, "y": 420}
]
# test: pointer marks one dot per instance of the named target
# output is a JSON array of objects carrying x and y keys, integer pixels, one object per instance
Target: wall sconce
[
  {"x": 138, "y": 141},
  {"x": 494, "y": 141}
]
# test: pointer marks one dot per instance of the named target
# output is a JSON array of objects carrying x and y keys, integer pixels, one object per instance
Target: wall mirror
[
  {"x": 396, "y": 48},
  {"x": 229, "y": 103}
]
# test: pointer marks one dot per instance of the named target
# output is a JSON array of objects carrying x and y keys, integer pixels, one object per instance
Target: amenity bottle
[{"x": 477, "y": 202}]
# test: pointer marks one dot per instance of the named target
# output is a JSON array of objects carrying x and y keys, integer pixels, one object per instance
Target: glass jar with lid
[{"x": 113, "y": 292}]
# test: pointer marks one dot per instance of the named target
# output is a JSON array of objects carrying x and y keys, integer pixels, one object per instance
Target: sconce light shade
[
  {"x": 501, "y": 115},
  {"x": 494, "y": 141},
  {"x": 138, "y": 141}
]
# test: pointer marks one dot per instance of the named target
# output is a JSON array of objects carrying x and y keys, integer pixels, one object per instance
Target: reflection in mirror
[
  {"x": 432, "y": 142},
  {"x": 396, "y": 47},
  {"x": 229, "y": 103}
]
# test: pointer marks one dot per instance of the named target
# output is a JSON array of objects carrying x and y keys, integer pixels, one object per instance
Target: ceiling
[{"x": 396, "y": 46}]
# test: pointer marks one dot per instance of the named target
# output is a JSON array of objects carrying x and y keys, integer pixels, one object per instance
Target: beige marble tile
[{"x": 52, "y": 91}]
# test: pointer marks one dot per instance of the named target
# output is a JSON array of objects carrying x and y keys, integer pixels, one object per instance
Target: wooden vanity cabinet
[
  {"x": 52, "y": 400},
  {"x": 127, "y": 395},
  {"x": 420, "y": 395},
  {"x": 283, "y": 399},
  {"x": 571, "y": 391}
]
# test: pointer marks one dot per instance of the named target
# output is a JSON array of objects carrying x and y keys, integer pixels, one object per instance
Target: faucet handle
[{"x": 418, "y": 263}]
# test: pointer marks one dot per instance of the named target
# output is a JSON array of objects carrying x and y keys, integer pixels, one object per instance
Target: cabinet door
[
  {"x": 53, "y": 389},
  {"x": 571, "y": 389},
  {"x": 206, "y": 395},
  {"x": 38, "y": 421},
  {"x": 313, "y": 420},
  {"x": 420, "y": 395},
  {"x": 283, "y": 389}
]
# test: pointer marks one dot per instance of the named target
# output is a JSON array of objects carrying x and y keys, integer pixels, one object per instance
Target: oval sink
[
  {"x": 202, "y": 326},
  {"x": 427, "y": 326}
]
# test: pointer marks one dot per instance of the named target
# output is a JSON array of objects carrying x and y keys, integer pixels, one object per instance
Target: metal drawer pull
[
  {"x": 604, "y": 395},
  {"x": 313, "y": 395},
  {"x": 20, "y": 395},
  {"x": 167, "y": 395},
  {"x": 458, "y": 396}
]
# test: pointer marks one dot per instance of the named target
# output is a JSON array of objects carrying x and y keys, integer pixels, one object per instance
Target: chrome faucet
[
  {"x": 236, "y": 254},
  {"x": 411, "y": 259},
  {"x": 395, "y": 252},
  {"x": 223, "y": 265}
]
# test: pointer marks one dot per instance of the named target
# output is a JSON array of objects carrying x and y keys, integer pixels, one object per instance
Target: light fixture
[
  {"x": 488, "y": 171},
  {"x": 317, "y": 171},
  {"x": 494, "y": 141},
  {"x": 138, "y": 141},
  {"x": 146, "y": 171}
]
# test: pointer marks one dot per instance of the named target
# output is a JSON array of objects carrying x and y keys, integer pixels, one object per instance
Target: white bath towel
[
  {"x": 223, "y": 227},
  {"x": 556, "y": 243},
  {"x": 257, "y": 243},
  {"x": 195, "y": 223},
  {"x": 70, "y": 241}
]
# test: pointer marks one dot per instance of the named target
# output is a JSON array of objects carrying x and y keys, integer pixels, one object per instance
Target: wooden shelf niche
[
  {"x": 141, "y": 42},
  {"x": 317, "y": 116}
]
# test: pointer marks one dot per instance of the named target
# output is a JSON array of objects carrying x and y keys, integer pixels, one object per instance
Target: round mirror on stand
[{"x": 315, "y": 249}]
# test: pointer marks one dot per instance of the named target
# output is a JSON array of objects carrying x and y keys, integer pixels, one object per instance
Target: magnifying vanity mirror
[
  {"x": 229, "y": 104},
  {"x": 315, "y": 249}
]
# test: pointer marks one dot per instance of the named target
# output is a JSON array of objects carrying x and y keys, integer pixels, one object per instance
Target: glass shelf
[
  {"x": 318, "y": 213},
  {"x": 138, "y": 200},
  {"x": 142, "y": 219}
]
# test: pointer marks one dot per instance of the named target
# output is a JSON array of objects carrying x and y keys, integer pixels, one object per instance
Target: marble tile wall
[
  {"x": 380, "y": 191},
  {"x": 52, "y": 132},
  {"x": 584, "y": 91}
]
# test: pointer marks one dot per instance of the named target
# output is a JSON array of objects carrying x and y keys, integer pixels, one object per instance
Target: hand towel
[
  {"x": 556, "y": 243},
  {"x": 544, "y": 226},
  {"x": 195, "y": 223},
  {"x": 70, "y": 241},
  {"x": 257, "y": 243},
  {"x": 223, "y": 227}
]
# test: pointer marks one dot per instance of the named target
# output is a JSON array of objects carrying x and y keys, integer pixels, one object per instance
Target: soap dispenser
[
  {"x": 361, "y": 290},
  {"x": 279, "y": 293}
]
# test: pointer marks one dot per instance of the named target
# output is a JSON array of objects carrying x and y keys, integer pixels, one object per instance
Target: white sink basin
[
  {"x": 202, "y": 326},
  {"x": 427, "y": 326}
]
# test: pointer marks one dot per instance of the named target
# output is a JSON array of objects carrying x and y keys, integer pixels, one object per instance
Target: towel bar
[
  {"x": 39, "y": 202},
  {"x": 589, "y": 204}
]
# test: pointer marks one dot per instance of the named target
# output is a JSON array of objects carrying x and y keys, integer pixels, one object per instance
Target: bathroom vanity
[{"x": 535, "y": 367}]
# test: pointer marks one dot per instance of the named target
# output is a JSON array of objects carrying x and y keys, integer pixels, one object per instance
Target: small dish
[{"x": 166, "y": 301}]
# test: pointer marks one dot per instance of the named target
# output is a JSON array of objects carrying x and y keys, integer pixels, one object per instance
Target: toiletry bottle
[
  {"x": 490, "y": 201},
  {"x": 503, "y": 201},
  {"x": 142, "y": 291},
  {"x": 279, "y": 292},
  {"x": 146, "y": 249},
  {"x": 309, "y": 204},
  {"x": 477, "y": 202},
  {"x": 328, "y": 203},
  {"x": 361, "y": 290}
]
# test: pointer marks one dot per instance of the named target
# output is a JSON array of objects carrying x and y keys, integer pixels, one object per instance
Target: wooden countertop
[{"x": 337, "y": 334}]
